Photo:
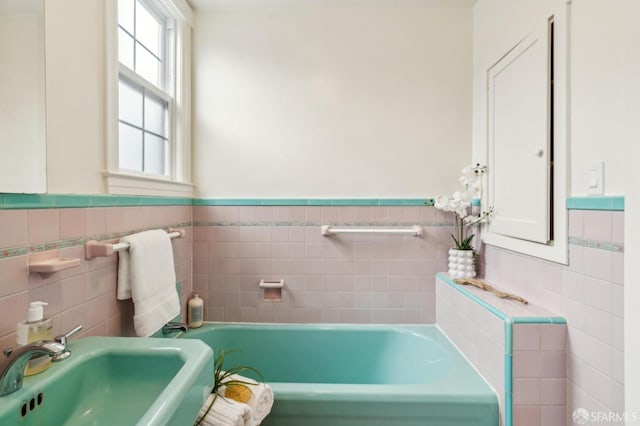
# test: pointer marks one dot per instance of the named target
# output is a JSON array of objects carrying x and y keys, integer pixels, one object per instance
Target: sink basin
[{"x": 116, "y": 381}]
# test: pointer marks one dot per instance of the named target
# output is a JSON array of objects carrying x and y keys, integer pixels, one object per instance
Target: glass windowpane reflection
[
  {"x": 125, "y": 14},
  {"x": 147, "y": 65},
  {"x": 130, "y": 100},
  {"x": 155, "y": 115},
  {"x": 148, "y": 30},
  {"x": 125, "y": 48},
  {"x": 155, "y": 154},
  {"x": 130, "y": 151}
]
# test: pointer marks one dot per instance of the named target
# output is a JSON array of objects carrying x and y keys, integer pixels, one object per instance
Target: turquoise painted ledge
[
  {"x": 313, "y": 202},
  {"x": 612, "y": 203}
]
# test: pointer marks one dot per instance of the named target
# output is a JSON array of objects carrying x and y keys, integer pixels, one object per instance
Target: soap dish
[{"x": 55, "y": 264}]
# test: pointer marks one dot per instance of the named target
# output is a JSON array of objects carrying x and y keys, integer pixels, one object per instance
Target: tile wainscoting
[
  {"x": 84, "y": 294},
  {"x": 357, "y": 278},
  {"x": 588, "y": 293},
  {"x": 346, "y": 278}
]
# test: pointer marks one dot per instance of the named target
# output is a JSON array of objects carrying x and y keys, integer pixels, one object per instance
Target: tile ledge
[{"x": 507, "y": 310}]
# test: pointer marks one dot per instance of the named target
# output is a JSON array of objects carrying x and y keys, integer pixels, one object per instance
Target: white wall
[
  {"x": 331, "y": 102},
  {"x": 75, "y": 95},
  {"x": 22, "y": 98},
  {"x": 604, "y": 40}
]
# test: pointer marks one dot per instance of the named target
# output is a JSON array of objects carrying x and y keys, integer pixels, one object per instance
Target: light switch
[{"x": 595, "y": 178}]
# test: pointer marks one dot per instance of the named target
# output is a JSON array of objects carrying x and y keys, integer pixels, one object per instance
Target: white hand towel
[
  {"x": 147, "y": 275},
  {"x": 261, "y": 399},
  {"x": 225, "y": 412}
]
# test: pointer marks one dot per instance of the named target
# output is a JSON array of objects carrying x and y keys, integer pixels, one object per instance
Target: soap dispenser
[
  {"x": 194, "y": 311},
  {"x": 35, "y": 328}
]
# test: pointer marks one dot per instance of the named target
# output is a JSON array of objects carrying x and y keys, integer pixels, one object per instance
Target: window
[
  {"x": 148, "y": 97},
  {"x": 144, "y": 88}
]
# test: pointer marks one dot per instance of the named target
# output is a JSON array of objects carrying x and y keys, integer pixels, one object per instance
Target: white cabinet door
[{"x": 519, "y": 140}]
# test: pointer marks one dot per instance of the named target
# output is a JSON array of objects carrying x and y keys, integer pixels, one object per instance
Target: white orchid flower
[{"x": 460, "y": 202}]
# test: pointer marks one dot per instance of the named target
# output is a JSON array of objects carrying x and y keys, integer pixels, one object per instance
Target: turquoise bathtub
[{"x": 334, "y": 375}]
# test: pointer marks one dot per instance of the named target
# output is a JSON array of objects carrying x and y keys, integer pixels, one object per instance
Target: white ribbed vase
[{"x": 461, "y": 264}]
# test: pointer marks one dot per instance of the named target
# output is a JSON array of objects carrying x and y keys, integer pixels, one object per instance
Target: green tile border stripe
[
  {"x": 612, "y": 203},
  {"x": 313, "y": 202},
  {"x": 601, "y": 245},
  {"x": 335, "y": 224},
  {"x": 508, "y": 337},
  {"x": 52, "y": 201},
  {"x": 47, "y": 201},
  {"x": 8, "y": 252}
]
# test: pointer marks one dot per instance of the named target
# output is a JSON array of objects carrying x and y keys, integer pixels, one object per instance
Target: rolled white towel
[
  {"x": 261, "y": 402},
  {"x": 225, "y": 412},
  {"x": 261, "y": 399}
]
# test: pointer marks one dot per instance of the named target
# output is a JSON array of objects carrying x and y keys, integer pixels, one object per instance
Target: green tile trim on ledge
[
  {"x": 61, "y": 201},
  {"x": 612, "y": 203},
  {"x": 312, "y": 202},
  {"x": 51, "y": 201},
  {"x": 495, "y": 311}
]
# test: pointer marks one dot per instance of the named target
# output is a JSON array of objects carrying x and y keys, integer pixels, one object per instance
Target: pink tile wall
[
  {"x": 477, "y": 333},
  {"x": 539, "y": 374},
  {"x": 538, "y": 354},
  {"x": 84, "y": 294},
  {"x": 588, "y": 292},
  {"x": 340, "y": 279}
]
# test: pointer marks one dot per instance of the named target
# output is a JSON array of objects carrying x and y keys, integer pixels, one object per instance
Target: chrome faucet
[
  {"x": 12, "y": 368},
  {"x": 174, "y": 326}
]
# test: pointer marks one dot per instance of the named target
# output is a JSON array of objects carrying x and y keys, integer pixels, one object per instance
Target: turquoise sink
[{"x": 116, "y": 381}]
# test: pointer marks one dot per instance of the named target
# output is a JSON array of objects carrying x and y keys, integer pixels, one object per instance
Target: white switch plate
[{"x": 595, "y": 178}]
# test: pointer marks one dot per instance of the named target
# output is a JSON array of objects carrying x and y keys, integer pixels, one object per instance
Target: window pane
[
  {"x": 125, "y": 14},
  {"x": 130, "y": 103},
  {"x": 155, "y": 115},
  {"x": 125, "y": 48},
  {"x": 148, "y": 30},
  {"x": 130, "y": 150},
  {"x": 147, "y": 65},
  {"x": 155, "y": 154}
]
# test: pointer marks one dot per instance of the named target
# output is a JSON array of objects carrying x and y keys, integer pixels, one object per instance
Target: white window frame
[{"x": 178, "y": 182}]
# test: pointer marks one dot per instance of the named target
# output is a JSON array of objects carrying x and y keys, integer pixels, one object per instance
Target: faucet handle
[{"x": 62, "y": 338}]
